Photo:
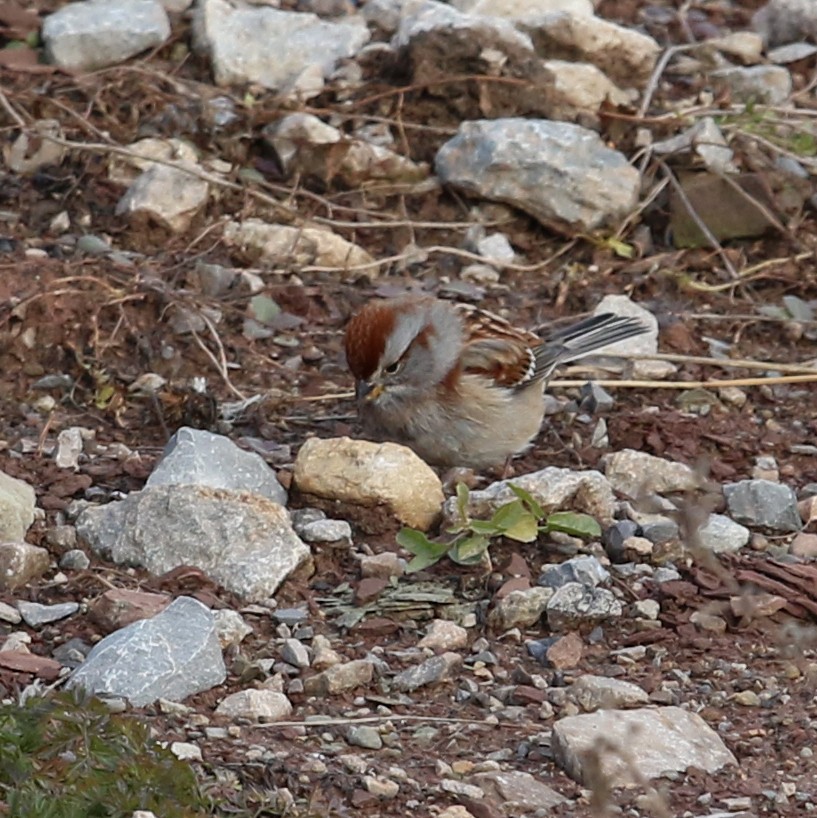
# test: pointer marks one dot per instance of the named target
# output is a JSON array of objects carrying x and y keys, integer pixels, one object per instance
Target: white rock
[
  {"x": 98, "y": 33},
  {"x": 645, "y": 344},
  {"x": 633, "y": 473},
  {"x": 286, "y": 247},
  {"x": 17, "y": 504},
  {"x": 522, "y": 9},
  {"x": 580, "y": 88},
  {"x": 623, "y": 54},
  {"x": 769, "y": 84},
  {"x": 371, "y": 474},
  {"x": 631, "y": 745},
  {"x": 283, "y": 50},
  {"x": 256, "y": 705},
  {"x": 723, "y": 535}
]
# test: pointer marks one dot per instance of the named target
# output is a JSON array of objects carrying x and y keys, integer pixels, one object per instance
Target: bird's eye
[{"x": 392, "y": 369}]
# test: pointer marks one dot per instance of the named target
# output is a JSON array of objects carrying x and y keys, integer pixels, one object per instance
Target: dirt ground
[{"x": 82, "y": 329}]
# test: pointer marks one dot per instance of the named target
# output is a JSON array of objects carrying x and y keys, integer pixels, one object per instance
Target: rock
[
  {"x": 75, "y": 560},
  {"x": 574, "y": 605},
  {"x": 644, "y": 344},
  {"x": 430, "y": 672},
  {"x": 745, "y": 45},
  {"x": 173, "y": 655},
  {"x": 10, "y": 615},
  {"x": 635, "y": 473},
  {"x": 307, "y": 146},
  {"x": 522, "y": 9},
  {"x": 804, "y": 545},
  {"x": 559, "y": 173},
  {"x": 722, "y": 535},
  {"x": 763, "y": 504},
  {"x": 370, "y": 474},
  {"x": 623, "y": 54},
  {"x": 597, "y": 692},
  {"x": 98, "y": 33},
  {"x": 520, "y": 789},
  {"x": 323, "y": 655},
  {"x": 553, "y": 488},
  {"x": 327, "y": 531},
  {"x": 36, "y": 615},
  {"x": 785, "y": 21},
  {"x": 168, "y": 196},
  {"x": 628, "y": 746},
  {"x": 340, "y": 678},
  {"x": 23, "y": 662},
  {"x": 496, "y": 249},
  {"x": 764, "y": 84},
  {"x": 578, "y": 89},
  {"x": 385, "y": 565},
  {"x": 565, "y": 652},
  {"x": 242, "y": 541},
  {"x": 287, "y": 51},
  {"x": 285, "y": 247},
  {"x": 444, "y": 635},
  {"x": 364, "y": 736},
  {"x": 708, "y": 622},
  {"x": 380, "y": 787},
  {"x": 201, "y": 458},
  {"x": 646, "y": 608},
  {"x": 595, "y": 398},
  {"x": 20, "y": 563},
  {"x": 256, "y": 705},
  {"x": 520, "y": 609},
  {"x": 231, "y": 628},
  {"x": 17, "y": 504},
  {"x": 294, "y": 653},
  {"x": 120, "y": 607},
  {"x": 586, "y": 570},
  {"x": 69, "y": 448}
]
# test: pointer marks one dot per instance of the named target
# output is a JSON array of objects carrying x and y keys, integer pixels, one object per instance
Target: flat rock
[
  {"x": 559, "y": 173},
  {"x": 521, "y": 789},
  {"x": 370, "y": 474},
  {"x": 258, "y": 705},
  {"x": 598, "y": 692},
  {"x": 764, "y": 504},
  {"x": 633, "y": 745},
  {"x": 242, "y": 541},
  {"x": 575, "y": 605},
  {"x": 171, "y": 656}
]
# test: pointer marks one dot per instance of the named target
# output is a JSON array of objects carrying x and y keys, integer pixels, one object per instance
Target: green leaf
[
  {"x": 508, "y": 516},
  {"x": 573, "y": 523},
  {"x": 469, "y": 550},
  {"x": 462, "y": 501},
  {"x": 426, "y": 552},
  {"x": 527, "y": 498},
  {"x": 487, "y": 527},
  {"x": 525, "y": 530}
]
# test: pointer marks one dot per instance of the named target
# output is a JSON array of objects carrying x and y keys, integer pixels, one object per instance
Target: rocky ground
[{"x": 666, "y": 666}]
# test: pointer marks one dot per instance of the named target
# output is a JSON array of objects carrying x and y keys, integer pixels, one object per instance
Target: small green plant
[
  {"x": 68, "y": 756},
  {"x": 523, "y": 520}
]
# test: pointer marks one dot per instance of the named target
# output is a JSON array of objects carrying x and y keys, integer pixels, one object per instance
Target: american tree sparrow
[{"x": 460, "y": 386}]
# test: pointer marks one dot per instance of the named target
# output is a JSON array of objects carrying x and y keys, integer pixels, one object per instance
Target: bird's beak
[{"x": 364, "y": 390}]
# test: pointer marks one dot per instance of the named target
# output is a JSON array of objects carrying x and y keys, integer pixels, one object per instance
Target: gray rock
[
  {"x": 627, "y": 746},
  {"x": 283, "y": 50},
  {"x": 69, "y": 448},
  {"x": 230, "y": 627},
  {"x": 21, "y": 562},
  {"x": 340, "y": 678},
  {"x": 553, "y": 488},
  {"x": 9, "y": 614},
  {"x": 17, "y": 504},
  {"x": 763, "y": 504},
  {"x": 98, "y": 33},
  {"x": 595, "y": 398},
  {"x": 365, "y": 736},
  {"x": 258, "y": 705},
  {"x": 767, "y": 84},
  {"x": 785, "y": 21},
  {"x": 173, "y": 655},
  {"x": 521, "y": 789},
  {"x": 637, "y": 473},
  {"x": 295, "y": 653},
  {"x": 559, "y": 173},
  {"x": 574, "y": 605},
  {"x": 74, "y": 560},
  {"x": 36, "y": 615},
  {"x": 430, "y": 672},
  {"x": 197, "y": 457},
  {"x": 586, "y": 570},
  {"x": 723, "y": 535},
  {"x": 520, "y": 609},
  {"x": 243, "y": 541},
  {"x": 597, "y": 692},
  {"x": 335, "y": 531}
]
